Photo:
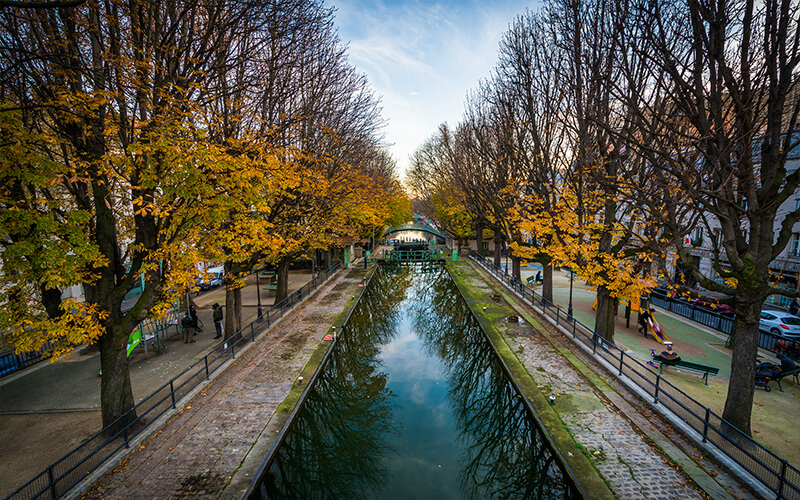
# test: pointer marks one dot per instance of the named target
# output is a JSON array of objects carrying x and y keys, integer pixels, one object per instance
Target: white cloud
[{"x": 423, "y": 58}]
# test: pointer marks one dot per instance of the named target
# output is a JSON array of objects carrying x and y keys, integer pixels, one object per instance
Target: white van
[{"x": 212, "y": 278}]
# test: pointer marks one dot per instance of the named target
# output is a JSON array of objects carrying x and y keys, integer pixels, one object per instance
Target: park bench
[
  {"x": 686, "y": 365},
  {"x": 532, "y": 280},
  {"x": 274, "y": 287},
  {"x": 791, "y": 373}
]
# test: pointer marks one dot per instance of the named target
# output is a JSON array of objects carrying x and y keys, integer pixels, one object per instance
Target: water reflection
[
  {"x": 504, "y": 454},
  {"x": 414, "y": 404}
]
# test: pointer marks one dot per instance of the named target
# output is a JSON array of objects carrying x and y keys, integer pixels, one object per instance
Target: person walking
[
  {"x": 217, "y": 315},
  {"x": 188, "y": 328},
  {"x": 195, "y": 319},
  {"x": 644, "y": 316}
]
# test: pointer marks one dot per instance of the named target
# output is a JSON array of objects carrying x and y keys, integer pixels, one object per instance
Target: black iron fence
[
  {"x": 770, "y": 469},
  {"x": 702, "y": 315},
  {"x": 11, "y": 362},
  {"x": 720, "y": 322},
  {"x": 61, "y": 476}
]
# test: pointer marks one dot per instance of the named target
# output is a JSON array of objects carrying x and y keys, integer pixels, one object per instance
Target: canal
[{"x": 413, "y": 403}]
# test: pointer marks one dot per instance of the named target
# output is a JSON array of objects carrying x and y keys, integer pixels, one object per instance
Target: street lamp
[
  {"x": 258, "y": 294},
  {"x": 569, "y": 309}
]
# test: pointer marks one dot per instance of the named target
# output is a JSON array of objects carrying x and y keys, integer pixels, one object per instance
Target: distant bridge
[{"x": 414, "y": 226}]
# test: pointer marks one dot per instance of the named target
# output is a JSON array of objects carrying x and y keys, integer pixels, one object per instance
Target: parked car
[
  {"x": 211, "y": 278},
  {"x": 780, "y": 323}
]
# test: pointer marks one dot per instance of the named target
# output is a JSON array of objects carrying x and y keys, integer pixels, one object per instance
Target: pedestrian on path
[
  {"x": 644, "y": 317},
  {"x": 217, "y": 320},
  {"x": 188, "y": 328},
  {"x": 195, "y": 319}
]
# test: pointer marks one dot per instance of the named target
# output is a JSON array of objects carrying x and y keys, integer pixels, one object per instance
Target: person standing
[
  {"x": 794, "y": 307},
  {"x": 217, "y": 315},
  {"x": 195, "y": 319},
  {"x": 188, "y": 328}
]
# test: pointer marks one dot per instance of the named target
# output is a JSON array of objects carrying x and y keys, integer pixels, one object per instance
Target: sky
[{"x": 422, "y": 58}]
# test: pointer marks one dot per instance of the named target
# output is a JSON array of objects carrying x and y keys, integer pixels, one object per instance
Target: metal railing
[
  {"x": 702, "y": 315},
  {"x": 714, "y": 320},
  {"x": 58, "y": 478},
  {"x": 773, "y": 471},
  {"x": 11, "y": 362}
]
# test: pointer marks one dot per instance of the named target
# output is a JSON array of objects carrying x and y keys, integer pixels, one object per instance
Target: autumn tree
[
  {"x": 106, "y": 95},
  {"x": 438, "y": 197},
  {"x": 529, "y": 76}
]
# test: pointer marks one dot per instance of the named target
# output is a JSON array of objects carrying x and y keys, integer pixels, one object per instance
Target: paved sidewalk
[
  {"x": 209, "y": 442},
  {"x": 634, "y": 457}
]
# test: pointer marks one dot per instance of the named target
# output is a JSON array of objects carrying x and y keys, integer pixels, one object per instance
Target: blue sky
[{"x": 423, "y": 57}]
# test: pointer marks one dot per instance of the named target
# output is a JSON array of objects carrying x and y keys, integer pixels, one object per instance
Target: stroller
[{"x": 764, "y": 373}]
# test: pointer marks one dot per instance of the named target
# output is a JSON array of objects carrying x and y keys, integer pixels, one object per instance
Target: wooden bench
[{"x": 686, "y": 365}]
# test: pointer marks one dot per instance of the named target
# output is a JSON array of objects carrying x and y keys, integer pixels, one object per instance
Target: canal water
[{"x": 414, "y": 404}]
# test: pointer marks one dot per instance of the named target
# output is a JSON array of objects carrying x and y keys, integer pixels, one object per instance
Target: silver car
[{"x": 780, "y": 323}]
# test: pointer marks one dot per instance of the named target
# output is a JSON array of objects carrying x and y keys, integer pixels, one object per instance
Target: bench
[
  {"x": 274, "y": 286},
  {"x": 791, "y": 373},
  {"x": 532, "y": 280},
  {"x": 687, "y": 365}
]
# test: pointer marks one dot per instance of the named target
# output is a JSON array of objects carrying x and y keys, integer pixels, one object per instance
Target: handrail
[
  {"x": 774, "y": 472},
  {"x": 61, "y": 476}
]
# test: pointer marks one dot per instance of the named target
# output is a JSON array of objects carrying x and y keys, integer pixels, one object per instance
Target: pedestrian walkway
[
  {"x": 63, "y": 398},
  {"x": 216, "y": 442},
  {"x": 632, "y": 454}
]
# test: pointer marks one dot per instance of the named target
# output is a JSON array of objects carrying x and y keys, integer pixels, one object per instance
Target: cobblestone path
[
  {"x": 630, "y": 464},
  {"x": 202, "y": 447}
]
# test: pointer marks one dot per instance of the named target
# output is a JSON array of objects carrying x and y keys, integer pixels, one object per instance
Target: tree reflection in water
[
  {"x": 338, "y": 447},
  {"x": 504, "y": 452},
  {"x": 338, "y": 442}
]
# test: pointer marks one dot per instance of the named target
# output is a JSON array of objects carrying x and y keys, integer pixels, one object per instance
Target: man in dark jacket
[
  {"x": 195, "y": 319},
  {"x": 217, "y": 315},
  {"x": 188, "y": 328}
]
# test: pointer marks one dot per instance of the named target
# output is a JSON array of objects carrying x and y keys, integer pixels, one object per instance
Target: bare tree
[{"x": 730, "y": 109}]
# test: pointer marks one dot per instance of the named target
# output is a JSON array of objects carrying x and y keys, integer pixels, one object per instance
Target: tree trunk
[
  {"x": 743, "y": 368},
  {"x": 282, "y": 290},
  {"x": 516, "y": 269},
  {"x": 498, "y": 239},
  {"x": 233, "y": 311},
  {"x": 233, "y": 301},
  {"x": 604, "y": 317},
  {"x": 116, "y": 394},
  {"x": 547, "y": 282}
]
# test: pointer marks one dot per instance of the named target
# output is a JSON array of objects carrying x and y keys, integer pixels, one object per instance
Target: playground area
[{"x": 774, "y": 418}]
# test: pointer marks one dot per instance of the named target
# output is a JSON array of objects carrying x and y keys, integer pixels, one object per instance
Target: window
[
  {"x": 797, "y": 203},
  {"x": 794, "y": 248}
]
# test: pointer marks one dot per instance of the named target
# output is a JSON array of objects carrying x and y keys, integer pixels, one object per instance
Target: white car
[{"x": 780, "y": 323}]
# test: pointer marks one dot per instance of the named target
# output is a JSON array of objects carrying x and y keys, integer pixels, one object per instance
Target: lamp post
[
  {"x": 258, "y": 294},
  {"x": 569, "y": 309}
]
